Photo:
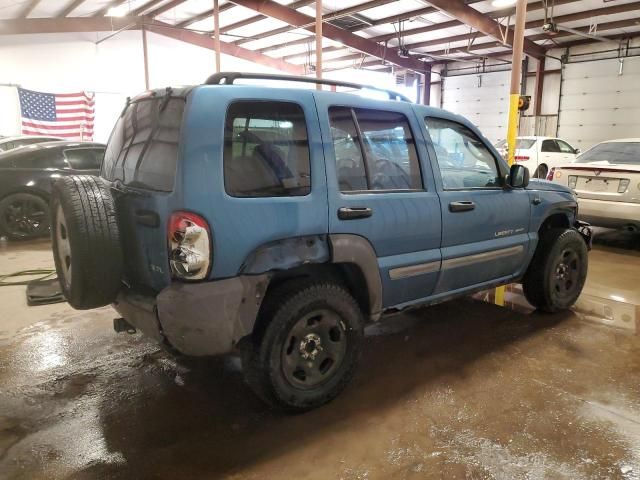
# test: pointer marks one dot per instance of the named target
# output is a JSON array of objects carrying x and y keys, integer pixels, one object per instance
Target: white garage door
[
  {"x": 598, "y": 103},
  {"x": 482, "y": 98}
]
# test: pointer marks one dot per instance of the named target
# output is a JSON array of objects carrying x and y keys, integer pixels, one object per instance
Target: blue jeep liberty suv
[{"x": 278, "y": 221}]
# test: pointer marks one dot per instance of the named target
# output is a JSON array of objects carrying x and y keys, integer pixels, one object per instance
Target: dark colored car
[
  {"x": 27, "y": 175},
  {"x": 9, "y": 143}
]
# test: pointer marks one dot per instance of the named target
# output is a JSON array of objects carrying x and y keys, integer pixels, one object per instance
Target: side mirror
[
  {"x": 576, "y": 151},
  {"x": 518, "y": 176}
]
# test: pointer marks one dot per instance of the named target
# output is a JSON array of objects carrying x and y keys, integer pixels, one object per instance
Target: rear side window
[
  {"x": 84, "y": 158},
  {"x": 143, "y": 148},
  {"x": 374, "y": 149},
  {"x": 266, "y": 150}
]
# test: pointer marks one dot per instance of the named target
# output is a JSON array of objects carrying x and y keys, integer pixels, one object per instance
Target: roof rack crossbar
[{"x": 230, "y": 77}]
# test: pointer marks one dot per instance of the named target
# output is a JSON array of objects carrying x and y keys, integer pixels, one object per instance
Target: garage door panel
[
  {"x": 484, "y": 101},
  {"x": 580, "y": 101},
  {"x": 598, "y": 103},
  {"x": 604, "y": 85}
]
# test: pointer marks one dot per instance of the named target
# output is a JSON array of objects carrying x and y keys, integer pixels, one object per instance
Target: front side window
[
  {"x": 374, "y": 149},
  {"x": 266, "y": 150},
  {"x": 464, "y": 161}
]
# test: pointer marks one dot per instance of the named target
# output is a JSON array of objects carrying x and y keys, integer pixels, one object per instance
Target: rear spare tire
[{"x": 86, "y": 241}]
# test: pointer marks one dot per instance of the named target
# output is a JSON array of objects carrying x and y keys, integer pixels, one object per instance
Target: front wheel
[
  {"x": 306, "y": 347},
  {"x": 558, "y": 270}
]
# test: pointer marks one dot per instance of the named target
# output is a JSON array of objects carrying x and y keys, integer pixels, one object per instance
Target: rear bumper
[
  {"x": 199, "y": 319},
  {"x": 605, "y": 213}
]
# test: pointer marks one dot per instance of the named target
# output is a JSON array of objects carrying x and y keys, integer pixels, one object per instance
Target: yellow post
[{"x": 514, "y": 98}]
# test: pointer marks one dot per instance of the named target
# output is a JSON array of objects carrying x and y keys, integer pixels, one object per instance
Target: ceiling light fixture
[
  {"x": 119, "y": 11},
  {"x": 503, "y": 3}
]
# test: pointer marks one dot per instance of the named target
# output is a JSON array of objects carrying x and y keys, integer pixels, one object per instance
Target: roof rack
[{"x": 230, "y": 77}]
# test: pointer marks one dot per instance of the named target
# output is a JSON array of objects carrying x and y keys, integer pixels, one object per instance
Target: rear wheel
[
  {"x": 24, "y": 216},
  {"x": 305, "y": 350},
  {"x": 558, "y": 270},
  {"x": 86, "y": 241}
]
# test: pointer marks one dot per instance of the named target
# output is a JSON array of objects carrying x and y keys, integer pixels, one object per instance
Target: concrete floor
[{"x": 460, "y": 390}]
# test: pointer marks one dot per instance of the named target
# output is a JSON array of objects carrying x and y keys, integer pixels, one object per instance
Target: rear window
[
  {"x": 524, "y": 143},
  {"x": 626, "y": 153},
  {"x": 521, "y": 143},
  {"x": 84, "y": 158},
  {"x": 143, "y": 147},
  {"x": 266, "y": 150}
]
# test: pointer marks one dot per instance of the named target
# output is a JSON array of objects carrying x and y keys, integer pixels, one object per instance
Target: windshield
[
  {"x": 625, "y": 153},
  {"x": 143, "y": 147}
]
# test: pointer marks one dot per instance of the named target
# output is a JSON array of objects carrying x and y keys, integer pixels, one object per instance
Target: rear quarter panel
[{"x": 241, "y": 225}]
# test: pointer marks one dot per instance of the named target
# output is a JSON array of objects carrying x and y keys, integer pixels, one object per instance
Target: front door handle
[
  {"x": 462, "y": 206},
  {"x": 351, "y": 213}
]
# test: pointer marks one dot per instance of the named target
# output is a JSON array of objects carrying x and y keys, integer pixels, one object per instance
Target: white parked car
[
  {"x": 606, "y": 179},
  {"x": 539, "y": 154},
  {"x": 9, "y": 143}
]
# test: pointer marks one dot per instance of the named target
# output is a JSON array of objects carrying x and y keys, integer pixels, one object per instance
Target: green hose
[{"x": 42, "y": 273}]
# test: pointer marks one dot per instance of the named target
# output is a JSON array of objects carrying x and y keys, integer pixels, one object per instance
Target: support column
[
  {"x": 514, "y": 97},
  {"x": 539, "y": 87},
  {"x": 426, "y": 93},
  {"x": 318, "y": 33},
  {"x": 216, "y": 27},
  {"x": 145, "y": 57}
]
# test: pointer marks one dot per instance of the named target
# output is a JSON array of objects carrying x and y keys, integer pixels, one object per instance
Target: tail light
[
  {"x": 623, "y": 185},
  {"x": 189, "y": 246},
  {"x": 551, "y": 174},
  {"x": 520, "y": 158}
]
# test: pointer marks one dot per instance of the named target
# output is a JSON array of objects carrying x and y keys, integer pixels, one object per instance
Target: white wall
[{"x": 113, "y": 69}]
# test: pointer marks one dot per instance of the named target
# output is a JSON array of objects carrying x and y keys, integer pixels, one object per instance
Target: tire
[
  {"x": 305, "y": 347},
  {"x": 541, "y": 172},
  {"x": 557, "y": 272},
  {"x": 24, "y": 216},
  {"x": 86, "y": 241}
]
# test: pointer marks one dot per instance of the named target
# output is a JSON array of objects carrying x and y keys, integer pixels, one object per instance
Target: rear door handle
[
  {"x": 351, "y": 213},
  {"x": 462, "y": 206}
]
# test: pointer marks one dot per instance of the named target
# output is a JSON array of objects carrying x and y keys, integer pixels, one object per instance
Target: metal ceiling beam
[
  {"x": 256, "y": 18},
  {"x": 541, "y": 36},
  {"x": 145, "y": 7},
  {"x": 572, "y": 17},
  {"x": 293, "y": 17},
  {"x": 472, "y": 17},
  {"x": 109, "y": 24},
  {"x": 325, "y": 18},
  {"x": 70, "y": 8},
  {"x": 205, "y": 41},
  {"x": 28, "y": 8},
  {"x": 203, "y": 15},
  {"x": 63, "y": 25},
  {"x": 380, "y": 21},
  {"x": 165, "y": 8}
]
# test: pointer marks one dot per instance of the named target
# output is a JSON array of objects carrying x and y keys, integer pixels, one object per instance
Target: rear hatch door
[{"x": 140, "y": 163}]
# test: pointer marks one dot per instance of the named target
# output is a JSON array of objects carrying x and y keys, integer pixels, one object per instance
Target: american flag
[{"x": 67, "y": 115}]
